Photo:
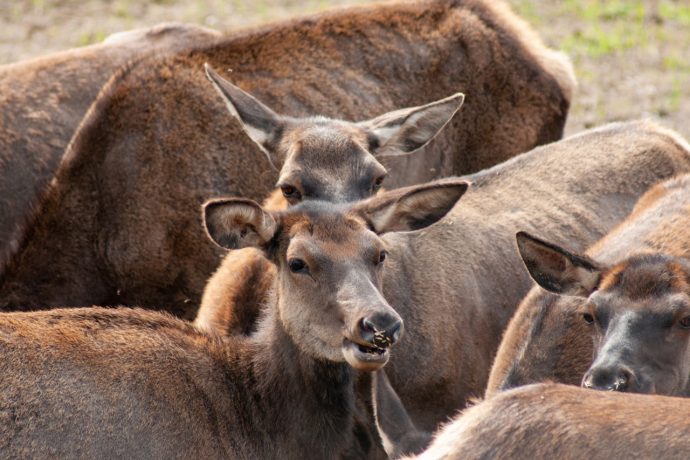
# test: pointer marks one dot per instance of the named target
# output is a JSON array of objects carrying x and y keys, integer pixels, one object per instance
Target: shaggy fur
[
  {"x": 118, "y": 223},
  {"x": 558, "y": 421},
  {"x": 43, "y": 101}
]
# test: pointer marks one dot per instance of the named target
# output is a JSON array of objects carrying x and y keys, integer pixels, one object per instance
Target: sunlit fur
[
  {"x": 119, "y": 221},
  {"x": 642, "y": 269}
]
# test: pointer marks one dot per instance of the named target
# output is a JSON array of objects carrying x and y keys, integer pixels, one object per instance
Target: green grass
[
  {"x": 674, "y": 98},
  {"x": 89, "y": 38},
  {"x": 528, "y": 10},
  {"x": 608, "y": 10},
  {"x": 596, "y": 40},
  {"x": 675, "y": 12}
]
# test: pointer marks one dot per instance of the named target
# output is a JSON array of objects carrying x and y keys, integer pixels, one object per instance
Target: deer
[
  {"x": 548, "y": 339},
  {"x": 543, "y": 420},
  {"x": 632, "y": 294},
  {"x": 457, "y": 284},
  {"x": 158, "y": 139},
  {"x": 132, "y": 382}
]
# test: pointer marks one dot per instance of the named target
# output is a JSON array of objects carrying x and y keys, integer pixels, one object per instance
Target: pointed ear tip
[
  {"x": 461, "y": 187},
  {"x": 523, "y": 237},
  {"x": 456, "y": 100},
  {"x": 211, "y": 74}
]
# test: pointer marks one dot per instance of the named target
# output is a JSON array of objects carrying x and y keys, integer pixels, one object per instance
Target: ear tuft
[
  {"x": 556, "y": 269},
  {"x": 234, "y": 223},
  {"x": 406, "y": 130}
]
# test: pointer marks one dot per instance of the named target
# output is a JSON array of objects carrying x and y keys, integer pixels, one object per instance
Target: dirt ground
[{"x": 632, "y": 57}]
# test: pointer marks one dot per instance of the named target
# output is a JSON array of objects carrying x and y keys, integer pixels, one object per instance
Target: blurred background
[{"x": 631, "y": 57}]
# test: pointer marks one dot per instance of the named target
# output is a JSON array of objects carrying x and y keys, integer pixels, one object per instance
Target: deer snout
[
  {"x": 381, "y": 329},
  {"x": 610, "y": 378}
]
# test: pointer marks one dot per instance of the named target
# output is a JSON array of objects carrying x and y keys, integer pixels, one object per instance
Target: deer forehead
[
  {"x": 328, "y": 139},
  {"x": 331, "y": 235},
  {"x": 646, "y": 277}
]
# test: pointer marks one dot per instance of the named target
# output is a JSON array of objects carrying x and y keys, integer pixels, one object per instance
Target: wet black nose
[
  {"x": 381, "y": 329},
  {"x": 610, "y": 378}
]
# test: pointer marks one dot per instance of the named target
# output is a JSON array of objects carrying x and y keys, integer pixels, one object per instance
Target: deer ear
[
  {"x": 234, "y": 223},
  {"x": 406, "y": 130},
  {"x": 398, "y": 432},
  {"x": 411, "y": 208},
  {"x": 556, "y": 269},
  {"x": 262, "y": 125}
]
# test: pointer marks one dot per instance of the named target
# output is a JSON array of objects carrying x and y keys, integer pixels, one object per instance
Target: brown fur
[
  {"x": 457, "y": 283},
  {"x": 246, "y": 278},
  {"x": 43, "y": 101},
  {"x": 118, "y": 224},
  {"x": 557, "y": 421},
  {"x": 548, "y": 340},
  {"x": 97, "y": 382}
]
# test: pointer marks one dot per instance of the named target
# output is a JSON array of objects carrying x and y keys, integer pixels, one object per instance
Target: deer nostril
[
  {"x": 624, "y": 380},
  {"x": 381, "y": 330},
  {"x": 394, "y": 331},
  {"x": 609, "y": 379},
  {"x": 367, "y": 325}
]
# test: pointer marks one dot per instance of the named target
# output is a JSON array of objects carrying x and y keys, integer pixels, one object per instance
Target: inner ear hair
[
  {"x": 261, "y": 123},
  {"x": 407, "y": 130},
  {"x": 234, "y": 223},
  {"x": 412, "y": 208},
  {"x": 556, "y": 269}
]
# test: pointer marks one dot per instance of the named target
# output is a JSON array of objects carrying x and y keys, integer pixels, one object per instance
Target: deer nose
[
  {"x": 610, "y": 378},
  {"x": 381, "y": 329}
]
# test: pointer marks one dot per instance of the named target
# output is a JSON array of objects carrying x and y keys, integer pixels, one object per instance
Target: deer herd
[{"x": 426, "y": 239}]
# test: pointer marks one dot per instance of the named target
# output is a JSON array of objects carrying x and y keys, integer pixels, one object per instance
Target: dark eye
[
  {"x": 376, "y": 186},
  {"x": 290, "y": 192},
  {"x": 589, "y": 319},
  {"x": 382, "y": 256},
  {"x": 684, "y": 322},
  {"x": 297, "y": 265}
]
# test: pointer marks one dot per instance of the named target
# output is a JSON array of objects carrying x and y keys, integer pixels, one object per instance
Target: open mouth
[{"x": 364, "y": 357}]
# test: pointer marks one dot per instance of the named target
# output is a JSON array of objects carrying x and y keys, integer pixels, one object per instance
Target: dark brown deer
[
  {"x": 633, "y": 293},
  {"x": 457, "y": 284},
  {"x": 97, "y": 382},
  {"x": 548, "y": 339},
  {"x": 44, "y": 99},
  {"x": 559, "y": 421},
  {"x": 117, "y": 223}
]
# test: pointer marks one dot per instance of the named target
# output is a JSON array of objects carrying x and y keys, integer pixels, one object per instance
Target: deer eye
[
  {"x": 297, "y": 265},
  {"x": 588, "y": 317},
  {"x": 684, "y": 322},
  {"x": 376, "y": 186},
  {"x": 382, "y": 256},
  {"x": 290, "y": 192}
]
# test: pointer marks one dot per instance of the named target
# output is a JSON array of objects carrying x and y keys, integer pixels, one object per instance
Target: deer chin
[{"x": 364, "y": 357}]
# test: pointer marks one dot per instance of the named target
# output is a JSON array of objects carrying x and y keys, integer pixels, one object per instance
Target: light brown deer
[
  {"x": 559, "y": 421},
  {"x": 96, "y": 382},
  {"x": 457, "y": 284}
]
